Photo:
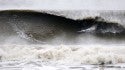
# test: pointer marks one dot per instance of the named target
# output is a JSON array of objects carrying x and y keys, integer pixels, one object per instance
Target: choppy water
[{"x": 58, "y": 40}]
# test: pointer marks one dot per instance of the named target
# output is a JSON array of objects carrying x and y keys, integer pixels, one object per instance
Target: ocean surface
[{"x": 62, "y": 40}]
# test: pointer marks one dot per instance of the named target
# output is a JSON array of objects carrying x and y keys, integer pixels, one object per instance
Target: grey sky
[{"x": 63, "y": 4}]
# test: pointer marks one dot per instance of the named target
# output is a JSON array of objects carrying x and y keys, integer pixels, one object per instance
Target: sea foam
[{"x": 64, "y": 54}]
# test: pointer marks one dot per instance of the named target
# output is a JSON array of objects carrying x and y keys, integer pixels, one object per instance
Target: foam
[{"x": 64, "y": 54}]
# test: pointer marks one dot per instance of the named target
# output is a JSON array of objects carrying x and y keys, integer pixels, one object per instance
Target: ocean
[{"x": 62, "y": 40}]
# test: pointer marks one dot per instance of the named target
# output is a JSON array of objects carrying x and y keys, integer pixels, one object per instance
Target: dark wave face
[{"x": 35, "y": 27}]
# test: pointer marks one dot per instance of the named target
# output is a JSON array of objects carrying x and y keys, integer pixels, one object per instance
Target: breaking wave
[
  {"x": 44, "y": 26},
  {"x": 39, "y": 34}
]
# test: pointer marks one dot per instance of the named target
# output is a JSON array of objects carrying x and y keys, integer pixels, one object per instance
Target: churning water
[{"x": 62, "y": 40}]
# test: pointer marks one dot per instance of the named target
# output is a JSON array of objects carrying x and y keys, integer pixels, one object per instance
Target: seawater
[{"x": 34, "y": 41}]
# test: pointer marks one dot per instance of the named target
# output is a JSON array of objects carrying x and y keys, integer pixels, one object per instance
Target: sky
[{"x": 63, "y": 4}]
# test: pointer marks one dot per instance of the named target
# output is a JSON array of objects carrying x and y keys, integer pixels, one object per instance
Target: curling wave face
[{"x": 40, "y": 27}]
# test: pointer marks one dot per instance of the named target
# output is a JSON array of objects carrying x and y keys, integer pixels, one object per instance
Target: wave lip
[{"x": 100, "y": 26}]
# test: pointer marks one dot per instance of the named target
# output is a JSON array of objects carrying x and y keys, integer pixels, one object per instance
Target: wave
[
  {"x": 34, "y": 30},
  {"x": 49, "y": 26}
]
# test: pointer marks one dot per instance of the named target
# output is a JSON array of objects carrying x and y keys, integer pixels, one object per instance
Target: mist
[{"x": 63, "y": 4}]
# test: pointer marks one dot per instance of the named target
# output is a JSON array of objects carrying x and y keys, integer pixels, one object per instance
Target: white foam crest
[
  {"x": 63, "y": 54},
  {"x": 116, "y": 16},
  {"x": 75, "y": 14}
]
